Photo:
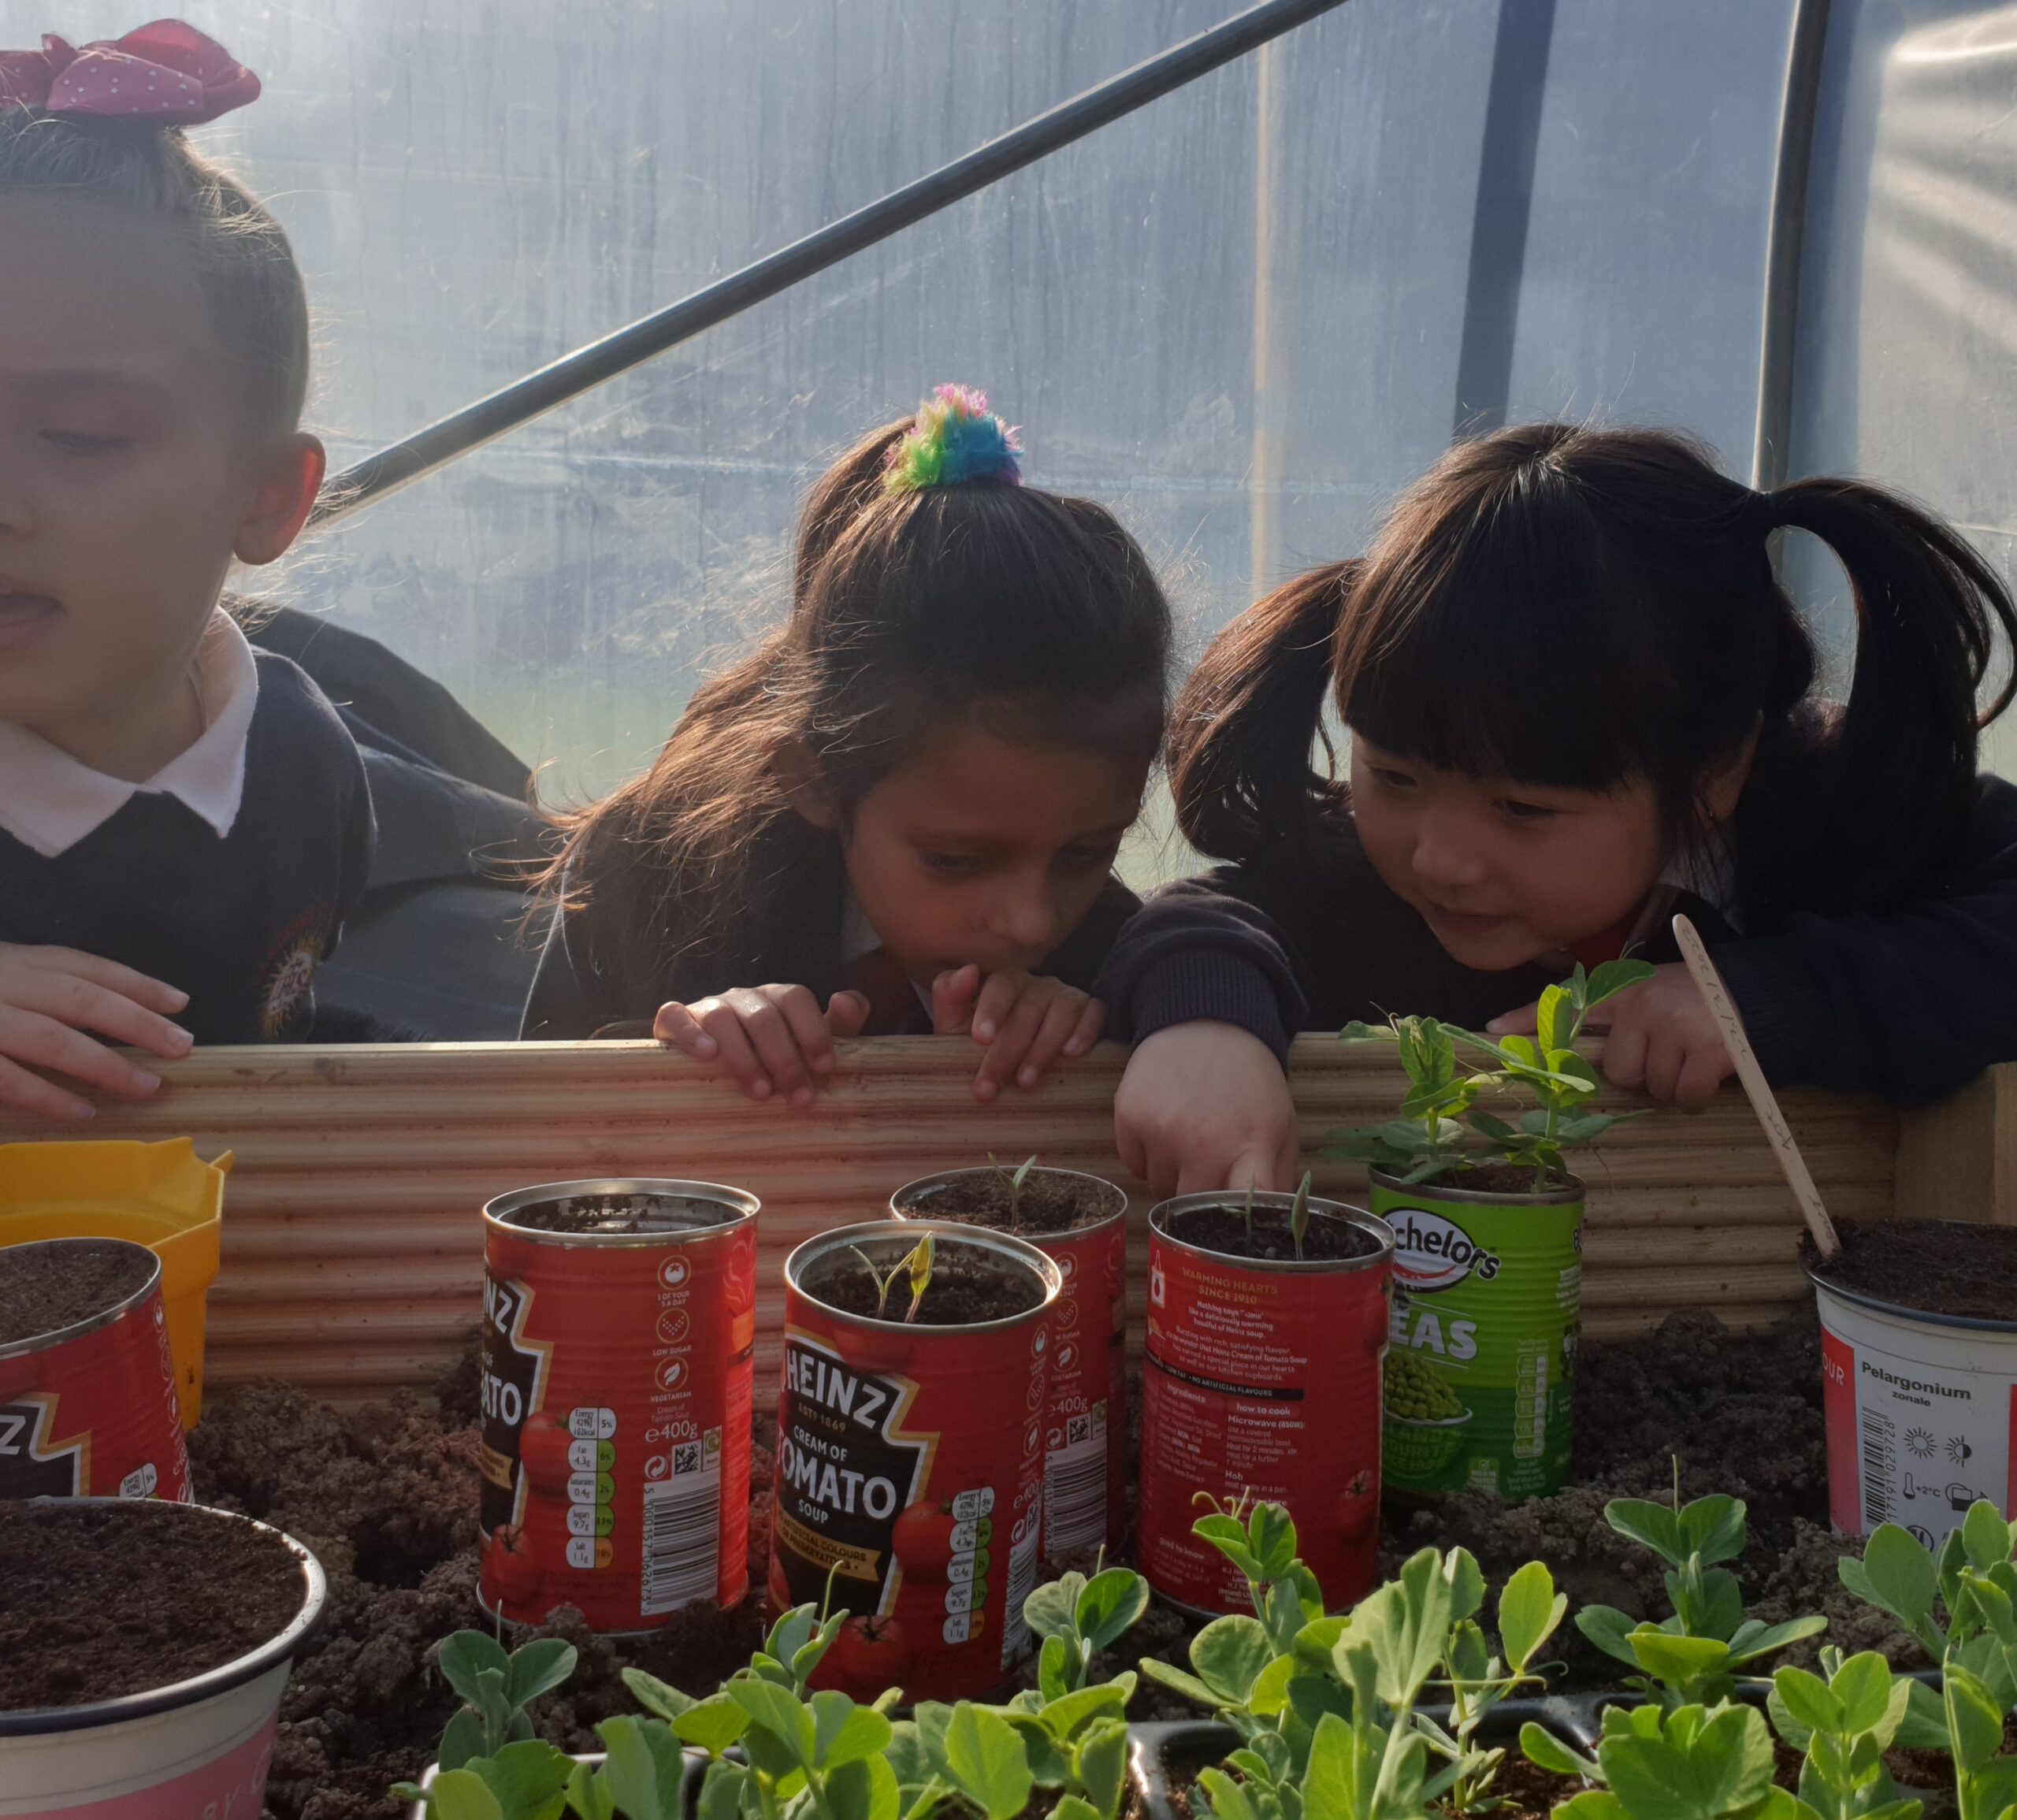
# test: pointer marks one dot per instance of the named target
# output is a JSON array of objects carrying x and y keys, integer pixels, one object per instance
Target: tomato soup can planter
[
  {"x": 1920, "y": 1408},
  {"x": 1487, "y": 1292},
  {"x": 1263, "y": 1380},
  {"x": 197, "y": 1748},
  {"x": 1080, "y": 1223},
  {"x": 87, "y": 1396},
  {"x": 619, "y": 1325},
  {"x": 910, "y": 1454}
]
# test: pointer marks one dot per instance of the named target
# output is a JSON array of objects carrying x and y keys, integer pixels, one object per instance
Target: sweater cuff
[
  {"x": 1786, "y": 1013},
  {"x": 1200, "y": 986}
]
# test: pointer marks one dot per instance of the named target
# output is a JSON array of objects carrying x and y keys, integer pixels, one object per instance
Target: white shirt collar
[{"x": 49, "y": 801}]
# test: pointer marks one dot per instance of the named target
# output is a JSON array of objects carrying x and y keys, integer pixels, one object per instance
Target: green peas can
[{"x": 1481, "y": 1352}]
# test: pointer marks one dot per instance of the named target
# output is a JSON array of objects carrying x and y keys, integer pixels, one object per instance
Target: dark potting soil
[
  {"x": 969, "y": 1283},
  {"x": 46, "y": 1286},
  {"x": 108, "y": 1599},
  {"x": 1956, "y": 1267},
  {"x": 1051, "y": 1201},
  {"x": 583, "y": 1214},
  {"x": 1224, "y": 1230},
  {"x": 1490, "y": 1179}
]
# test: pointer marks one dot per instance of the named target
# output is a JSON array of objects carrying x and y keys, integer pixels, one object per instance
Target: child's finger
[
  {"x": 1663, "y": 1061},
  {"x": 1702, "y": 1074},
  {"x": 44, "y": 1042},
  {"x": 1060, "y": 1019},
  {"x": 1624, "y": 1055},
  {"x": 953, "y": 1001},
  {"x": 1524, "y": 1022},
  {"x": 128, "y": 982},
  {"x": 1001, "y": 999},
  {"x": 1252, "y": 1168},
  {"x": 737, "y": 1056},
  {"x": 1086, "y": 1031},
  {"x": 1011, "y": 1043},
  {"x": 812, "y": 1039},
  {"x": 777, "y": 1053},
  {"x": 677, "y": 1026},
  {"x": 847, "y": 1012},
  {"x": 32, "y": 1093},
  {"x": 69, "y": 999}
]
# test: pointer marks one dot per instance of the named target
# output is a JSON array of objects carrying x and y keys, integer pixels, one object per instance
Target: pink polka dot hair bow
[{"x": 167, "y": 71}]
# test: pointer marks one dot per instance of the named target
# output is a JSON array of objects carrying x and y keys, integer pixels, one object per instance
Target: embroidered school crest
[{"x": 288, "y": 980}]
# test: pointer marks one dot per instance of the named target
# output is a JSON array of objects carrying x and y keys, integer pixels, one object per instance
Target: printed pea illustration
[{"x": 1415, "y": 1392}]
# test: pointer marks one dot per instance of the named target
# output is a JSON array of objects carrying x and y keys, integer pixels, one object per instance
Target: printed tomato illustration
[
  {"x": 509, "y": 1566},
  {"x": 923, "y": 1541},
  {"x": 870, "y": 1653},
  {"x": 542, "y": 1445},
  {"x": 1358, "y": 1509}
]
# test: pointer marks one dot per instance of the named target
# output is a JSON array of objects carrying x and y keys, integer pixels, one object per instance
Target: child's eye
[
  {"x": 950, "y": 865},
  {"x": 1522, "y": 811},
  {"x": 80, "y": 442},
  {"x": 1392, "y": 780}
]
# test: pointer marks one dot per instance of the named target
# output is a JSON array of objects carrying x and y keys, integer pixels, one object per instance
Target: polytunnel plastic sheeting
[
  {"x": 1906, "y": 359},
  {"x": 1238, "y": 317}
]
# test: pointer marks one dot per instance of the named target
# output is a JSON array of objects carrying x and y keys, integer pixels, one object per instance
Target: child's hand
[
  {"x": 1662, "y": 1040},
  {"x": 49, "y": 998},
  {"x": 1027, "y": 1021},
  {"x": 773, "y": 1040},
  {"x": 1206, "y": 1106}
]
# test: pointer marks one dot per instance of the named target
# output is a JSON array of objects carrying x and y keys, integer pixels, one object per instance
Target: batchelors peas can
[
  {"x": 618, "y": 1329},
  {"x": 1487, "y": 1290},
  {"x": 910, "y": 1455},
  {"x": 1263, "y": 1381},
  {"x": 88, "y": 1397},
  {"x": 1080, "y": 1223}
]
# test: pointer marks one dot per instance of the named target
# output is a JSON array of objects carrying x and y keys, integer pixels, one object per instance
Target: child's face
[
  {"x": 978, "y": 850},
  {"x": 129, "y": 475},
  {"x": 1505, "y": 873}
]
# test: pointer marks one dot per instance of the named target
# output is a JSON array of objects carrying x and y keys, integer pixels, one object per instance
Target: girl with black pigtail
[
  {"x": 1576, "y": 700},
  {"x": 899, "y": 813}
]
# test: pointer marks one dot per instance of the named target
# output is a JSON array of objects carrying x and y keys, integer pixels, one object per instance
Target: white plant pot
[{"x": 198, "y": 1750}]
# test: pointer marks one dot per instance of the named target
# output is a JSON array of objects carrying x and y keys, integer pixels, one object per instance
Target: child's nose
[
  {"x": 1028, "y": 918},
  {"x": 1445, "y": 855}
]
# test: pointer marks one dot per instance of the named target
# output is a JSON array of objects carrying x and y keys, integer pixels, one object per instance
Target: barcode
[
  {"x": 1878, "y": 1463},
  {"x": 682, "y": 1535},
  {"x": 1022, "y": 1582},
  {"x": 1074, "y": 1493}
]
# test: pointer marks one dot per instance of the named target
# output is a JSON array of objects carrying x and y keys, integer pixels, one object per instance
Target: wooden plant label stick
[{"x": 1716, "y": 995}]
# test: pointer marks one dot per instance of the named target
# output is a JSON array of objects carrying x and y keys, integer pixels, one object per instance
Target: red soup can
[
  {"x": 1080, "y": 1223},
  {"x": 1263, "y": 1382},
  {"x": 619, "y": 1322},
  {"x": 910, "y": 1453},
  {"x": 87, "y": 1402}
]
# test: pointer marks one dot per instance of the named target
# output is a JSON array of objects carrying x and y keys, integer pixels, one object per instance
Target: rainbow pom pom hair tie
[{"x": 955, "y": 441}]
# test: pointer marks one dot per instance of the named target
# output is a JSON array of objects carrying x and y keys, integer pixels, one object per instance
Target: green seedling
[
  {"x": 1844, "y": 1720},
  {"x": 1693, "y": 1762},
  {"x": 919, "y": 1264},
  {"x": 1687, "y": 1659},
  {"x": 1442, "y": 1129},
  {"x": 1299, "y": 1215},
  {"x": 1246, "y": 1214},
  {"x": 495, "y": 1688},
  {"x": 1078, "y": 1618},
  {"x": 885, "y": 1280},
  {"x": 1015, "y": 1181}
]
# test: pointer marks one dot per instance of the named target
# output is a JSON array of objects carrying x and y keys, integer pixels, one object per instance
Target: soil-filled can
[
  {"x": 1487, "y": 1291},
  {"x": 619, "y": 1325},
  {"x": 1262, "y": 1380},
  {"x": 1085, "y": 1471},
  {"x": 1921, "y": 1412},
  {"x": 88, "y": 1397},
  {"x": 910, "y": 1453}
]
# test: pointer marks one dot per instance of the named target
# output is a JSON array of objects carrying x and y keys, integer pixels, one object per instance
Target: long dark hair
[
  {"x": 1575, "y": 608},
  {"x": 1037, "y": 613}
]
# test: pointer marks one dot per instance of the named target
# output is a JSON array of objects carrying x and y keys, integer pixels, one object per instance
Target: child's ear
[
  {"x": 1723, "y": 785},
  {"x": 283, "y": 489},
  {"x": 805, "y": 788}
]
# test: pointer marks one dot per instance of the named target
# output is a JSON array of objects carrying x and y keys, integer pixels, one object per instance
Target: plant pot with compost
[
  {"x": 1079, "y": 1222},
  {"x": 1268, "y": 1316},
  {"x": 911, "y": 1426},
  {"x": 1487, "y": 1223},
  {"x": 147, "y": 1645}
]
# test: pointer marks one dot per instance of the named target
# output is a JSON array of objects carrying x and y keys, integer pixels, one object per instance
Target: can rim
[
  {"x": 1370, "y": 1223},
  {"x": 742, "y": 1207},
  {"x": 131, "y": 1304},
  {"x": 1968, "y": 1323},
  {"x": 809, "y": 1251},
  {"x": 277, "y": 1649},
  {"x": 1570, "y": 1194},
  {"x": 944, "y": 1178}
]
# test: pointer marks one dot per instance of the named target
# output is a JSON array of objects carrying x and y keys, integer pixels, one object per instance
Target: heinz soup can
[
  {"x": 1263, "y": 1383},
  {"x": 87, "y": 1398},
  {"x": 910, "y": 1451},
  {"x": 1080, "y": 1223},
  {"x": 618, "y": 1330}
]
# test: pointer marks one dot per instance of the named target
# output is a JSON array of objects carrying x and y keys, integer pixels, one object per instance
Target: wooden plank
[
  {"x": 352, "y": 1247},
  {"x": 1958, "y": 1160}
]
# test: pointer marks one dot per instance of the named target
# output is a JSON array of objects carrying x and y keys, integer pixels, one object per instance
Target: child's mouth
[{"x": 23, "y": 615}]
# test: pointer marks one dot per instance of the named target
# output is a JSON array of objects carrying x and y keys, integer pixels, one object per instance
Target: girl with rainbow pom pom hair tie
[{"x": 899, "y": 813}]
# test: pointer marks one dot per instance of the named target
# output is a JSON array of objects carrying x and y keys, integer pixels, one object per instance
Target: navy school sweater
[
  {"x": 240, "y": 923},
  {"x": 1907, "y": 1004}
]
